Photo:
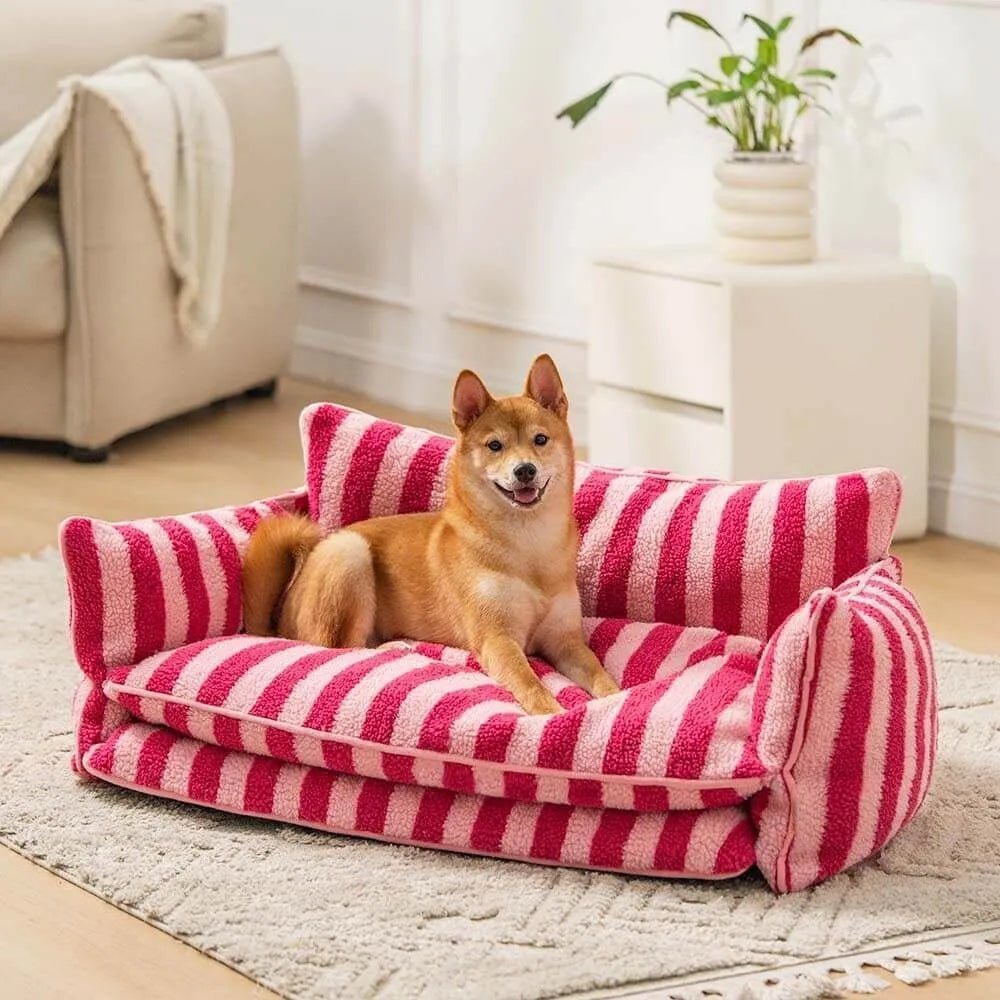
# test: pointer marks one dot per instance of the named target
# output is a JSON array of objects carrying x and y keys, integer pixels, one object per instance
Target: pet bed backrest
[
  {"x": 739, "y": 557},
  {"x": 140, "y": 587}
]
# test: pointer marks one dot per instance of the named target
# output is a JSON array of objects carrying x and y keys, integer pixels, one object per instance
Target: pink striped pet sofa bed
[{"x": 778, "y": 704}]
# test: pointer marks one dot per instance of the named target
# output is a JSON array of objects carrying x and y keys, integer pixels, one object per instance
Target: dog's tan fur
[{"x": 484, "y": 573}]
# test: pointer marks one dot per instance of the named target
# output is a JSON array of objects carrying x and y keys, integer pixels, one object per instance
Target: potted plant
[{"x": 764, "y": 199}]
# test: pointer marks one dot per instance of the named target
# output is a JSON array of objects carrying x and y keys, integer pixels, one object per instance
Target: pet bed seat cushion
[
  {"x": 675, "y": 738},
  {"x": 711, "y": 843},
  {"x": 738, "y": 557}
]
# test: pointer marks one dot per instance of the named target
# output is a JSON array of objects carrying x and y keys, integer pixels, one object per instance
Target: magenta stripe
[
  {"x": 150, "y": 607},
  {"x": 360, "y": 475},
  {"x": 489, "y": 825},
  {"x": 432, "y": 814},
  {"x": 847, "y": 763},
  {"x": 185, "y": 547},
  {"x": 203, "y": 781},
  {"x": 216, "y": 686},
  {"x": 852, "y": 504},
  {"x": 608, "y": 846},
  {"x": 671, "y": 575},
  {"x": 314, "y": 795},
  {"x": 550, "y": 832},
  {"x": 373, "y": 805},
  {"x": 730, "y": 554},
  {"x": 327, "y": 703},
  {"x": 86, "y": 597},
  {"x": 672, "y": 846},
  {"x": 272, "y": 699},
  {"x": 418, "y": 486},
  {"x": 320, "y": 425},
  {"x": 164, "y": 677},
  {"x": 650, "y": 655},
  {"x": 588, "y": 498},
  {"x": 260, "y": 783},
  {"x": 604, "y": 635},
  {"x": 559, "y": 738},
  {"x": 383, "y": 710},
  {"x": 435, "y": 733},
  {"x": 153, "y": 757},
  {"x": 612, "y": 588},
  {"x": 787, "y": 553},
  {"x": 621, "y": 756}
]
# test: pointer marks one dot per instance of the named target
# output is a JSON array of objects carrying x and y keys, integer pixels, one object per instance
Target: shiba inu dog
[{"x": 494, "y": 571}]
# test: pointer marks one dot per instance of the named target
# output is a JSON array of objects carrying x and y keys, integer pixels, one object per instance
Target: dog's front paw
[
  {"x": 541, "y": 703},
  {"x": 604, "y": 684}
]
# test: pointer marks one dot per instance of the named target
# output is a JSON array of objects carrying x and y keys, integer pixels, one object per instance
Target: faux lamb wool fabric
[
  {"x": 778, "y": 699},
  {"x": 712, "y": 843},
  {"x": 739, "y": 557},
  {"x": 674, "y": 738}
]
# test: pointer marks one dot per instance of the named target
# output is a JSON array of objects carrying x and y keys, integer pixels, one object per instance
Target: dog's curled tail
[{"x": 278, "y": 548}]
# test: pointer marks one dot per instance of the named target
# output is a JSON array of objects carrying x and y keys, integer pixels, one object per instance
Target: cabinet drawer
[
  {"x": 628, "y": 428},
  {"x": 663, "y": 336}
]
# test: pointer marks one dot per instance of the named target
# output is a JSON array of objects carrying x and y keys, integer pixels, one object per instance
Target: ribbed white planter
[{"x": 764, "y": 209}]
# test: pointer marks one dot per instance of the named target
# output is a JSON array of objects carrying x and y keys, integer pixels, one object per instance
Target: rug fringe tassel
[{"x": 846, "y": 977}]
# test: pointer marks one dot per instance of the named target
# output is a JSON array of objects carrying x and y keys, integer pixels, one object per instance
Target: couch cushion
[
  {"x": 676, "y": 737},
  {"x": 739, "y": 557},
  {"x": 33, "y": 273},
  {"x": 711, "y": 844},
  {"x": 42, "y": 41}
]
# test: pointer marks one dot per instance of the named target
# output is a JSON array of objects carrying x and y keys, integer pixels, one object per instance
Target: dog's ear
[
  {"x": 545, "y": 386},
  {"x": 469, "y": 400}
]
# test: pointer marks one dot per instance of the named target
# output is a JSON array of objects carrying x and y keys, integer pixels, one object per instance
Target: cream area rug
[{"x": 312, "y": 915}]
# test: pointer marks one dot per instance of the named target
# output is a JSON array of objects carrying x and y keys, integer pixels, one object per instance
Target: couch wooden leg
[
  {"x": 89, "y": 456},
  {"x": 265, "y": 390}
]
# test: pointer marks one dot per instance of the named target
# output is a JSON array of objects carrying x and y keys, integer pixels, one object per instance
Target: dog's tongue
[{"x": 526, "y": 494}]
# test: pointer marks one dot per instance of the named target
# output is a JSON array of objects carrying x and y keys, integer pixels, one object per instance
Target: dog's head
[{"x": 514, "y": 451}]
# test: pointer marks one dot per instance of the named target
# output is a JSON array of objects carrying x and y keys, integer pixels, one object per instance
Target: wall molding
[
  {"x": 965, "y": 510},
  {"x": 476, "y": 315},
  {"x": 353, "y": 287},
  {"x": 968, "y": 419}
]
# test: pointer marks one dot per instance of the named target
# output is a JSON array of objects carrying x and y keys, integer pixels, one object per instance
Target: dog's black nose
[{"x": 524, "y": 472}]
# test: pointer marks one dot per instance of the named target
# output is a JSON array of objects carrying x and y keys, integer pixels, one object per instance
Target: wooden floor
[{"x": 59, "y": 941}]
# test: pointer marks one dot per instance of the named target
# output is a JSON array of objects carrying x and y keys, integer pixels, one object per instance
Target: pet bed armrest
[
  {"x": 844, "y": 719},
  {"x": 142, "y": 587}
]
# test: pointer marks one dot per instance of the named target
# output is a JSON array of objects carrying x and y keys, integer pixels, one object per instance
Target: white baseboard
[{"x": 965, "y": 511}]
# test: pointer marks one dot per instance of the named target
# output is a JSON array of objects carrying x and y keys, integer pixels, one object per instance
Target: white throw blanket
[{"x": 179, "y": 131}]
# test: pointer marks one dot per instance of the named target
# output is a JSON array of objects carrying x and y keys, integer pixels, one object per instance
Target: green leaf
[
  {"x": 767, "y": 52},
  {"x": 716, "y": 97},
  {"x": 729, "y": 63},
  {"x": 766, "y": 28},
  {"x": 697, "y": 20},
  {"x": 750, "y": 80},
  {"x": 818, "y": 36},
  {"x": 678, "y": 88},
  {"x": 784, "y": 23},
  {"x": 579, "y": 110},
  {"x": 827, "y": 74},
  {"x": 784, "y": 88}
]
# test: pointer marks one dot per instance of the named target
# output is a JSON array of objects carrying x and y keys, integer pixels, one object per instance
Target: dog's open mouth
[{"x": 523, "y": 496}]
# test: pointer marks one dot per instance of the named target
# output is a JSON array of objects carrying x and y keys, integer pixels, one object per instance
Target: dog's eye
[
  {"x": 494, "y": 445},
  {"x": 541, "y": 439}
]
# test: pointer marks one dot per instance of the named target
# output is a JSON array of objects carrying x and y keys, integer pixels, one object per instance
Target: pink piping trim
[
  {"x": 742, "y": 786},
  {"x": 383, "y": 838},
  {"x": 782, "y": 874}
]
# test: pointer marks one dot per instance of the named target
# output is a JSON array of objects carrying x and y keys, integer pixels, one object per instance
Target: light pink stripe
[
  {"x": 490, "y": 782},
  {"x": 882, "y": 488},
  {"x": 519, "y": 833},
  {"x": 354, "y": 708},
  {"x": 813, "y": 763},
  {"x": 628, "y": 640},
  {"x": 233, "y": 781},
  {"x": 399, "y": 453},
  {"x": 253, "y": 736},
  {"x": 592, "y": 739},
  {"x": 174, "y": 594},
  {"x": 212, "y": 573},
  {"x": 461, "y": 816},
  {"x": 401, "y": 812},
  {"x": 304, "y": 694},
  {"x": 125, "y": 759},
  {"x": 287, "y": 790},
  {"x": 196, "y": 671},
  {"x": 820, "y": 534},
  {"x": 118, "y": 588},
  {"x": 177, "y": 771},
  {"x": 251, "y": 685},
  {"x": 698, "y": 603},
  {"x": 342, "y": 810},
  {"x": 704, "y": 842},
  {"x": 579, "y": 838},
  {"x": 729, "y": 739},
  {"x": 309, "y": 750},
  {"x": 421, "y": 700},
  {"x": 756, "y": 581},
  {"x": 646, "y": 553},
  {"x": 640, "y": 847}
]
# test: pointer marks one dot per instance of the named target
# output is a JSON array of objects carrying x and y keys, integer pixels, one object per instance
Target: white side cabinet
[{"x": 753, "y": 371}]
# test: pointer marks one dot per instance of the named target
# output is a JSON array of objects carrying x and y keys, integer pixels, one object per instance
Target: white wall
[
  {"x": 448, "y": 218},
  {"x": 447, "y": 215},
  {"x": 914, "y": 168}
]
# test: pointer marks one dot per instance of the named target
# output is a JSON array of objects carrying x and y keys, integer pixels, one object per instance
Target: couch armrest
[
  {"x": 845, "y": 720},
  {"x": 42, "y": 41},
  {"x": 142, "y": 587},
  {"x": 127, "y": 366}
]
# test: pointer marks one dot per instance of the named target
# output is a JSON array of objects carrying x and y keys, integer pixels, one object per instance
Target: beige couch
[{"x": 89, "y": 350}]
